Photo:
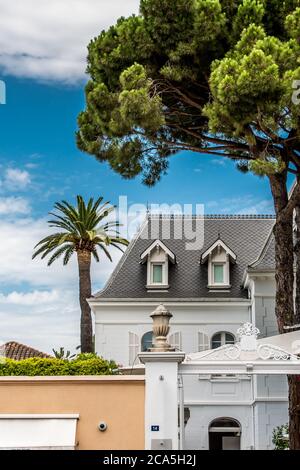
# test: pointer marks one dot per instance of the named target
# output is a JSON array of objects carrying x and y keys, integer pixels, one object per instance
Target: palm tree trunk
[
  {"x": 86, "y": 327},
  {"x": 284, "y": 310}
]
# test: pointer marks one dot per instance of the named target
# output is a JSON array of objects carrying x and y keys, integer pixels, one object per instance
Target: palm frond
[
  {"x": 103, "y": 248},
  {"x": 57, "y": 254},
  {"x": 84, "y": 227},
  {"x": 49, "y": 238},
  {"x": 67, "y": 224},
  {"x": 116, "y": 246},
  {"x": 92, "y": 234},
  {"x": 69, "y": 252},
  {"x": 95, "y": 255}
]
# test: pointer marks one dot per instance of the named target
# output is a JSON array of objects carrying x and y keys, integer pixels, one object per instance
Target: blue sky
[{"x": 39, "y": 164}]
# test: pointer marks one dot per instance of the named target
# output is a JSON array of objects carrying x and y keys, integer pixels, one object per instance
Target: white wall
[
  {"x": 209, "y": 389},
  {"x": 196, "y": 431},
  {"x": 269, "y": 415},
  {"x": 264, "y": 306},
  {"x": 113, "y": 324}
]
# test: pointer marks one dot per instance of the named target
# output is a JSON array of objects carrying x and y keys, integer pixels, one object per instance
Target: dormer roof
[
  {"x": 217, "y": 245},
  {"x": 156, "y": 245},
  {"x": 244, "y": 235}
]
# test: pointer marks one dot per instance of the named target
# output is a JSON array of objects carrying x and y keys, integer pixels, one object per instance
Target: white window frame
[
  {"x": 226, "y": 273},
  {"x": 157, "y": 263},
  {"x": 165, "y": 274},
  {"x": 166, "y": 258},
  {"x": 223, "y": 338},
  {"x": 218, "y": 263}
]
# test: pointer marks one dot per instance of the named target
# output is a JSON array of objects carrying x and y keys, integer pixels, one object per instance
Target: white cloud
[
  {"x": 30, "y": 298},
  {"x": 31, "y": 165},
  {"x": 41, "y": 319},
  {"x": 14, "y": 205},
  {"x": 17, "y": 241},
  {"x": 247, "y": 204},
  {"x": 260, "y": 207},
  {"x": 47, "y": 315},
  {"x": 221, "y": 161},
  {"x": 15, "y": 179},
  {"x": 48, "y": 40}
]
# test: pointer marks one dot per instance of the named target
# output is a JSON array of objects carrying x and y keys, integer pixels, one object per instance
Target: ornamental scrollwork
[
  {"x": 248, "y": 330},
  {"x": 268, "y": 351}
]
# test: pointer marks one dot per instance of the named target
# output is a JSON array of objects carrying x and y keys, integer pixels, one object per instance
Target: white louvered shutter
[
  {"x": 203, "y": 341},
  {"x": 175, "y": 340},
  {"x": 133, "y": 348}
]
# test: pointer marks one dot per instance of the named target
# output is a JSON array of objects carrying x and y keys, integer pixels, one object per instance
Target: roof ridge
[
  {"x": 212, "y": 216},
  {"x": 263, "y": 251}
]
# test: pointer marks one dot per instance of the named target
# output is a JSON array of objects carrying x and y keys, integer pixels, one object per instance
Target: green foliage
[
  {"x": 84, "y": 229},
  {"x": 249, "y": 12},
  {"x": 267, "y": 166},
  {"x": 62, "y": 354},
  {"x": 210, "y": 76},
  {"x": 252, "y": 84},
  {"x": 83, "y": 364},
  {"x": 280, "y": 437}
]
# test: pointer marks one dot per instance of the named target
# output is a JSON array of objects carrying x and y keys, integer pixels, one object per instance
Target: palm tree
[{"x": 85, "y": 232}]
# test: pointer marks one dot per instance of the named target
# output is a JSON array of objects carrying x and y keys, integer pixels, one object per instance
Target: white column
[{"x": 161, "y": 400}]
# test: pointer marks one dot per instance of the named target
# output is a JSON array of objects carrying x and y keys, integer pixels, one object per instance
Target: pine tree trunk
[
  {"x": 297, "y": 255},
  {"x": 86, "y": 327},
  {"x": 284, "y": 254},
  {"x": 294, "y": 411},
  {"x": 294, "y": 380},
  {"x": 284, "y": 309}
]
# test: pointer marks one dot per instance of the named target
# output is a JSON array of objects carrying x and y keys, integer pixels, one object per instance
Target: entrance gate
[
  {"x": 165, "y": 369},
  {"x": 224, "y": 434}
]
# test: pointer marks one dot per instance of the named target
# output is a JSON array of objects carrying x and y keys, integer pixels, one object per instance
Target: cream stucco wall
[{"x": 117, "y": 400}]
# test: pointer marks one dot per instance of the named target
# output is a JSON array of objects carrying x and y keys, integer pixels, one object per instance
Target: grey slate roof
[
  {"x": 266, "y": 259},
  {"x": 246, "y": 235}
]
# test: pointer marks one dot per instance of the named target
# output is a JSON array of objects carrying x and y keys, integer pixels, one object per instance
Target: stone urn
[{"x": 161, "y": 319}]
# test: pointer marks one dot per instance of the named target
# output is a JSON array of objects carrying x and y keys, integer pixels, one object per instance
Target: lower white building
[{"x": 214, "y": 273}]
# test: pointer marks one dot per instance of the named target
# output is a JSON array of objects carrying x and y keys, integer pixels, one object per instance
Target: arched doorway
[{"x": 224, "y": 434}]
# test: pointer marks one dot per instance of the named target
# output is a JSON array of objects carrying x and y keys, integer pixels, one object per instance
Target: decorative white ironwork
[
  {"x": 248, "y": 330},
  {"x": 227, "y": 352},
  {"x": 269, "y": 351},
  {"x": 248, "y": 336},
  {"x": 246, "y": 350}
]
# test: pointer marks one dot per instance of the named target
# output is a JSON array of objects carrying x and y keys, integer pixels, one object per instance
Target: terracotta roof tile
[{"x": 18, "y": 351}]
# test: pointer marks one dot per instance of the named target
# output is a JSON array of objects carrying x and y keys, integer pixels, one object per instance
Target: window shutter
[
  {"x": 203, "y": 341},
  {"x": 175, "y": 340},
  {"x": 133, "y": 348}
]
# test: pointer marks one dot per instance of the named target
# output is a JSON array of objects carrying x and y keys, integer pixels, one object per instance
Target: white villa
[{"x": 211, "y": 291}]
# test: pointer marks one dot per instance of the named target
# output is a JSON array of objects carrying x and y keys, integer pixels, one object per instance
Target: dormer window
[
  {"x": 218, "y": 273},
  {"x": 157, "y": 273},
  {"x": 219, "y": 256},
  {"x": 157, "y": 257}
]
